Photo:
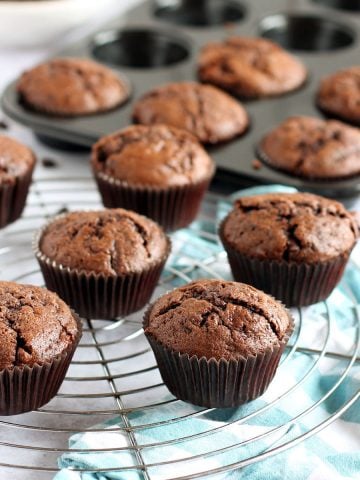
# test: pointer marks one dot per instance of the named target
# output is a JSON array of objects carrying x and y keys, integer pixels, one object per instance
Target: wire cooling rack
[{"x": 114, "y": 375}]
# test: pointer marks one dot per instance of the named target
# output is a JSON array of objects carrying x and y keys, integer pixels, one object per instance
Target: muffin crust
[
  {"x": 109, "y": 242},
  {"x": 205, "y": 111},
  {"x": 15, "y": 160},
  {"x": 339, "y": 95},
  {"x": 250, "y": 67},
  {"x": 35, "y": 325},
  {"x": 292, "y": 227},
  {"x": 155, "y": 155},
  {"x": 313, "y": 148},
  {"x": 217, "y": 319},
  {"x": 71, "y": 87}
]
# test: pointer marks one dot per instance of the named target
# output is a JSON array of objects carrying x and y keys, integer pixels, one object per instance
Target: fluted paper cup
[{"x": 172, "y": 207}]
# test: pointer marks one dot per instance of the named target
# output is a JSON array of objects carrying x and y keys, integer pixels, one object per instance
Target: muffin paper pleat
[
  {"x": 215, "y": 383},
  {"x": 293, "y": 284},
  {"x": 171, "y": 207},
  {"x": 27, "y": 388},
  {"x": 13, "y": 198},
  {"x": 99, "y": 296}
]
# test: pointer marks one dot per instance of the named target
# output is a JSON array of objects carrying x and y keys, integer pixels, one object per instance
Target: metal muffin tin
[{"x": 155, "y": 44}]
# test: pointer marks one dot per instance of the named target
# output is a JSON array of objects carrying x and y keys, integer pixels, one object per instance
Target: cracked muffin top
[
  {"x": 70, "y": 87},
  {"x": 295, "y": 227},
  {"x": 15, "y": 160},
  {"x": 217, "y": 319},
  {"x": 205, "y": 111},
  {"x": 109, "y": 242},
  {"x": 156, "y": 155},
  {"x": 250, "y": 67},
  {"x": 35, "y": 325},
  {"x": 339, "y": 94},
  {"x": 313, "y": 148}
]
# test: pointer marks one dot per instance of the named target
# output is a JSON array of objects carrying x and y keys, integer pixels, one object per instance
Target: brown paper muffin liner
[
  {"x": 171, "y": 207},
  {"x": 215, "y": 383},
  {"x": 95, "y": 295},
  {"x": 13, "y": 198},
  {"x": 26, "y": 388},
  {"x": 295, "y": 285}
]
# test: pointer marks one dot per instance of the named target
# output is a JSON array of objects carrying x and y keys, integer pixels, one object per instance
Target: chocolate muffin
[
  {"x": 205, "y": 111},
  {"x": 17, "y": 163},
  {"x": 102, "y": 263},
  {"x": 159, "y": 171},
  {"x": 339, "y": 95},
  {"x": 303, "y": 258},
  {"x": 313, "y": 149},
  {"x": 39, "y": 336},
  {"x": 71, "y": 87},
  {"x": 250, "y": 67},
  {"x": 217, "y": 343}
]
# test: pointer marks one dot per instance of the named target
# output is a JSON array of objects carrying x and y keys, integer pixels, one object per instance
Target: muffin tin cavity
[
  {"x": 310, "y": 33},
  {"x": 348, "y": 5},
  {"x": 200, "y": 13},
  {"x": 139, "y": 48}
]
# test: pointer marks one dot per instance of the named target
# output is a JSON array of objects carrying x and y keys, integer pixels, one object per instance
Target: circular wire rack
[{"x": 113, "y": 389}]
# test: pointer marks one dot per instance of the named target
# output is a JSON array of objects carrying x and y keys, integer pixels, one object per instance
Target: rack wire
[{"x": 114, "y": 376}]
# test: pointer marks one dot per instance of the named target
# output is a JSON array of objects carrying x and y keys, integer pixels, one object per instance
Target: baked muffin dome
[
  {"x": 217, "y": 319},
  {"x": 339, "y": 95},
  {"x": 71, "y": 87},
  {"x": 107, "y": 242},
  {"x": 291, "y": 227},
  {"x": 35, "y": 325},
  {"x": 313, "y": 148},
  {"x": 154, "y": 155},
  {"x": 203, "y": 110},
  {"x": 17, "y": 163},
  {"x": 16, "y": 160},
  {"x": 250, "y": 67}
]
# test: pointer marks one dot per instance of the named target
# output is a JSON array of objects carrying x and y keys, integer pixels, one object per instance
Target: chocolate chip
[
  {"x": 62, "y": 210},
  {"x": 49, "y": 162}
]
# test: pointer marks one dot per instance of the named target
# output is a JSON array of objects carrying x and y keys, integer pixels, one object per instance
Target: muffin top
[
  {"x": 15, "y": 159},
  {"x": 339, "y": 94},
  {"x": 35, "y": 325},
  {"x": 205, "y": 111},
  {"x": 313, "y": 148},
  {"x": 155, "y": 155},
  {"x": 109, "y": 242},
  {"x": 217, "y": 319},
  {"x": 250, "y": 67},
  {"x": 70, "y": 87},
  {"x": 294, "y": 227}
]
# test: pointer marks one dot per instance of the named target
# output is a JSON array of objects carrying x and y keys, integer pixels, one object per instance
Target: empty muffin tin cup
[
  {"x": 140, "y": 48},
  {"x": 347, "y": 5},
  {"x": 311, "y": 33},
  {"x": 200, "y": 13}
]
